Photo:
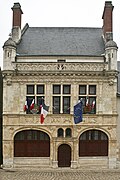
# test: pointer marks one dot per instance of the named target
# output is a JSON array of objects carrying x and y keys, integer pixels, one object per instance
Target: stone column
[
  {"x": 74, "y": 154},
  {"x": 74, "y": 98},
  {"x": 112, "y": 154},
  {"x": 54, "y": 153},
  {"x": 7, "y": 154},
  {"x": 99, "y": 101}
]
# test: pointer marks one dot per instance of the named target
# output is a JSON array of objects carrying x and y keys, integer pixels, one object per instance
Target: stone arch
[
  {"x": 68, "y": 132},
  {"x": 60, "y": 132},
  {"x": 99, "y": 129},
  {"x": 27, "y": 128}
]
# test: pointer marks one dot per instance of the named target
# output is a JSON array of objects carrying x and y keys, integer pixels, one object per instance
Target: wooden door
[
  {"x": 93, "y": 143},
  {"x": 31, "y": 143},
  {"x": 64, "y": 156}
]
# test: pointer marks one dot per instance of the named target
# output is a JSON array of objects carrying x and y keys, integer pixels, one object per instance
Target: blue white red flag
[
  {"x": 44, "y": 110},
  {"x": 25, "y": 106},
  {"x": 32, "y": 104},
  {"x": 78, "y": 112}
]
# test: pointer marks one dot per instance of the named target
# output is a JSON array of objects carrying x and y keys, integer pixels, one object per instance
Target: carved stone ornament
[
  {"x": 9, "y": 81},
  {"x": 59, "y": 66},
  {"x": 111, "y": 82}
]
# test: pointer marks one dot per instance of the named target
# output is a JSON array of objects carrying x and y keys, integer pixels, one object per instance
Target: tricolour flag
[
  {"x": 78, "y": 112},
  {"x": 32, "y": 104},
  {"x": 25, "y": 106},
  {"x": 44, "y": 110}
]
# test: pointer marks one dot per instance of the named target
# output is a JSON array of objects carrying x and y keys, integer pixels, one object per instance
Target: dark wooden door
[
  {"x": 64, "y": 156},
  {"x": 93, "y": 143},
  {"x": 93, "y": 148},
  {"x": 31, "y": 143}
]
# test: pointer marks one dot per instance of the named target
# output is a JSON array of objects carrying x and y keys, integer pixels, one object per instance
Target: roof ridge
[{"x": 68, "y": 27}]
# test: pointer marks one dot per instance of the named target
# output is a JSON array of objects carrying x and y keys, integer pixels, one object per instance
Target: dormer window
[{"x": 61, "y": 60}]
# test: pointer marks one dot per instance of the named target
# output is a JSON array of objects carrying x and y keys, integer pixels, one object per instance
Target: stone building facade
[
  {"x": 1, "y": 105},
  {"x": 61, "y": 65},
  {"x": 118, "y": 107}
]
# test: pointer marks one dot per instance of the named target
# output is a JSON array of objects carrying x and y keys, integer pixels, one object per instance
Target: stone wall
[
  {"x": 15, "y": 119},
  {"x": 1, "y": 106}
]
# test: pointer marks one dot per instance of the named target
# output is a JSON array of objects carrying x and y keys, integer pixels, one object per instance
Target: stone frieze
[{"x": 60, "y": 67}]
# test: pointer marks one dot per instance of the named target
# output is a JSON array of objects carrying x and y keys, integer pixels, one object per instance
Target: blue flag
[{"x": 78, "y": 112}]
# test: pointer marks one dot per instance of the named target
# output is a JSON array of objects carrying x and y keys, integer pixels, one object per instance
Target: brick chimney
[
  {"x": 107, "y": 21},
  {"x": 16, "y": 26},
  {"x": 17, "y": 15}
]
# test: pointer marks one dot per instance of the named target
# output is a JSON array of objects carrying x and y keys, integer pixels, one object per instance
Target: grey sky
[{"x": 58, "y": 13}]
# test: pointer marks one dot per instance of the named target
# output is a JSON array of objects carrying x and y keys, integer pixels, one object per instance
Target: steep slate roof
[{"x": 61, "y": 41}]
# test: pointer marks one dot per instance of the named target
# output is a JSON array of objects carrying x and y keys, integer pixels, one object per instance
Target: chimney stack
[
  {"x": 16, "y": 27},
  {"x": 107, "y": 21},
  {"x": 17, "y": 15}
]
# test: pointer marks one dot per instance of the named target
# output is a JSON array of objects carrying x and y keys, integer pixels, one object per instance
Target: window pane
[
  {"x": 83, "y": 102},
  {"x": 83, "y": 98},
  {"x": 56, "y": 105},
  {"x": 90, "y": 107},
  {"x": 82, "y": 89},
  {"x": 29, "y": 135},
  {"x": 20, "y": 136},
  {"x": 68, "y": 132},
  {"x": 92, "y": 101},
  {"x": 40, "y": 89},
  {"x": 96, "y": 135},
  {"x": 60, "y": 132},
  {"x": 42, "y": 136},
  {"x": 56, "y": 89},
  {"x": 66, "y": 105},
  {"x": 30, "y": 89},
  {"x": 83, "y": 136},
  {"x": 103, "y": 136},
  {"x": 66, "y": 89},
  {"x": 39, "y": 99},
  {"x": 92, "y": 89},
  {"x": 29, "y": 101}
]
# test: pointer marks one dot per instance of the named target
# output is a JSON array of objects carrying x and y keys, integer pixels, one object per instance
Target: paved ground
[{"x": 60, "y": 174}]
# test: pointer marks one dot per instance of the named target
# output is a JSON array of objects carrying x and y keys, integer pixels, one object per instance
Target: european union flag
[{"x": 78, "y": 113}]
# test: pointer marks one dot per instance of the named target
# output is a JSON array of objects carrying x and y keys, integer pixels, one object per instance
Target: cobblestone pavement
[{"x": 59, "y": 174}]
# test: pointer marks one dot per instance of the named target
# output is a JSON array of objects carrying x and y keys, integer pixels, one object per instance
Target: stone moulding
[
  {"x": 33, "y": 120},
  {"x": 60, "y": 66}
]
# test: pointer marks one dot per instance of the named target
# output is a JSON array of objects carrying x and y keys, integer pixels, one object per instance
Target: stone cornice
[
  {"x": 60, "y": 69},
  {"x": 63, "y": 115}
]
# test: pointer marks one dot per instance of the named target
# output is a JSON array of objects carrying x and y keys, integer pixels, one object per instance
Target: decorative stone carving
[
  {"x": 111, "y": 82},
  {"x": 59, "y": 66}
]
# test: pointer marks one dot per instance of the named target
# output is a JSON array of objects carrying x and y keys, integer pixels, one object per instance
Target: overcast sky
[{"x": 58, "y": 13}]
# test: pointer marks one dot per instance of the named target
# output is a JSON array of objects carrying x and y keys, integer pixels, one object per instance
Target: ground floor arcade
[{"x": 37, "y": 147}]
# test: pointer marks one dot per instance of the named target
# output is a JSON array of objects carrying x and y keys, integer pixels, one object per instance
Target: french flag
[
  {"x": 44, "y": 111},
  {"x": 32, "y": 104},
  {"x": 25, "y": 106}
]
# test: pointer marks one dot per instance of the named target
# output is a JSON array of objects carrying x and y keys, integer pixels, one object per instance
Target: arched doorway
[
  {"x": 31, "y": 143},
  {"x": 64, "y": 155},
  {"x": 93, "y": 143}
]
